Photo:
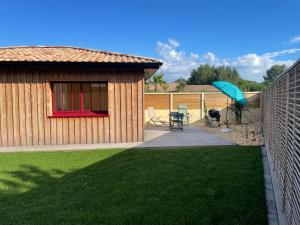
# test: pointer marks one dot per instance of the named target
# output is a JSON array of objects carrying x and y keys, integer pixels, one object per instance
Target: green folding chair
[{"x": 186, "y": 115}]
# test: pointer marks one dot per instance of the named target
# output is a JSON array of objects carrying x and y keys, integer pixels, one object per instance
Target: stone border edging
[{"x": 272, "y": 192}]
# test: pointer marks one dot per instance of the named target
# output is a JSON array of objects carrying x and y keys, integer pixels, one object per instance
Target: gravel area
[{"x": 238, "y": 133}]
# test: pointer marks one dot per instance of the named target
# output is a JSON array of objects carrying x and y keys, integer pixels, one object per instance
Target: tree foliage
[
  {"x": 158, "y": 80},
  {"x": 249, "y": 85},
  {"x": 273, "y": 72},
  {"x": 180, "y": 79},
  {"x": 181, "y": 85},
  {"x": 228, "y": 74},
  {"x": 206, "y": 74}
]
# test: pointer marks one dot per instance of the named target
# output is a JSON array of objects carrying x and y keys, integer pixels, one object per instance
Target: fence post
[
  {"x": 171, "y": 102},
  {"x": 261, "y": 110},
  {"x": 293, "y": 149},
  {"x": 286, "y": 144},
  {"x": 202, "y": 106}
]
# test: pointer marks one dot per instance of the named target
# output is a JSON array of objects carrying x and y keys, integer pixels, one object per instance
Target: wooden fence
[
  {"x": 197, "y": 103},
  {"x": 281, "y": 127}
]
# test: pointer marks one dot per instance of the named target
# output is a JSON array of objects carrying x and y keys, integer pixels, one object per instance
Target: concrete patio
[
  {"x": 154, "y": 137},
  {"x": 190, "y": 136}
]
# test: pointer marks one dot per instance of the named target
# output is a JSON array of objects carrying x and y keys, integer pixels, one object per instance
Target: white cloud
[
  {"x": 251, "y": 66},
  {"x": 175, "y": 61},
  {"x": 295, "y": 39},
  {"x": 173, "y": 42},
  {"x": 194, "y": 55},
  {"x": 210, "y": 56},
  {"x": 283, "y": 52}
]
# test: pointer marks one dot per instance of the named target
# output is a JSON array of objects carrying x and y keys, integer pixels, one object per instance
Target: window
[{"x": 80, "y": 99}]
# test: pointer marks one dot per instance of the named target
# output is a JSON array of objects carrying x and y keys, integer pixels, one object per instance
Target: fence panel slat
[{"x": 280, "y": 107}]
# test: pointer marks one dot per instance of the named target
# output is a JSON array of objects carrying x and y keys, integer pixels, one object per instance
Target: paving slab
[
  {"x": 154, "y": 137},
  {"x": 190, "y": 136}
]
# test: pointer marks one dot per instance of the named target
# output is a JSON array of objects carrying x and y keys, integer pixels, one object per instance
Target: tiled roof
[
  {"x": 68, "y": 54},
  {"x": 188, "y": 88}
]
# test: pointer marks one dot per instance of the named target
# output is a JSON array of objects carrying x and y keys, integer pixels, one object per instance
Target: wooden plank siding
[
  {"x": 103, "y": 122},
  {"x": 9, "y": 109},
  {"x": 134, "y": 101},
  {"x": 28, "y": 120},
  {"x": 140, "y": 105},
  {"x": 123, "y": 94},
  {"x": 3, "y": 108},
  {"x": 129, "y": 105},
  {"x": 26, "y": 107},
  {"x": 22, "y": 114}
]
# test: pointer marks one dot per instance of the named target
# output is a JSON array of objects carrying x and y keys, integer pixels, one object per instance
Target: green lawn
[{"x": 211, "y": 185}]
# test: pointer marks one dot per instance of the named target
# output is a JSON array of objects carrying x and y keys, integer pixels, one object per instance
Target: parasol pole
[{"x": 227, "y": 113}]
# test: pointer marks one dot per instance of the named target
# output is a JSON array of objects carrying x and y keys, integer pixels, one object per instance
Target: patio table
[{"x": 176, "y": 120}]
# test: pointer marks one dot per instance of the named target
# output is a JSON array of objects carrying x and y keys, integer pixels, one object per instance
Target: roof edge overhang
[
  {"x": 83, "y": 49},
  {"x": 149, "y": 68}
]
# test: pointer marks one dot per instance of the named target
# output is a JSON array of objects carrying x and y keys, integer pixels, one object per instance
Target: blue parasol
[{"x": 231, "y": 91}]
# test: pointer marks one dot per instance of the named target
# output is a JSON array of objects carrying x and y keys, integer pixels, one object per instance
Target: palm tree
[{"x": 158, "y": 80}]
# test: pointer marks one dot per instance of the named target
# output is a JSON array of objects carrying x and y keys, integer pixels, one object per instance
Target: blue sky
[{"x": 249, "y": 35}]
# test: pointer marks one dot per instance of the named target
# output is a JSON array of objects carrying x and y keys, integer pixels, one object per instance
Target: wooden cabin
[{"x": 70, "y": 95}]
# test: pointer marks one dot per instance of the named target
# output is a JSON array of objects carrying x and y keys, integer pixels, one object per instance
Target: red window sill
[{"x": 73, "y": 115}]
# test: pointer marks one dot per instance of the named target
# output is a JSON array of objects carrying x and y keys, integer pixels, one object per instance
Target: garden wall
[{"x": 197, "y": 103}]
